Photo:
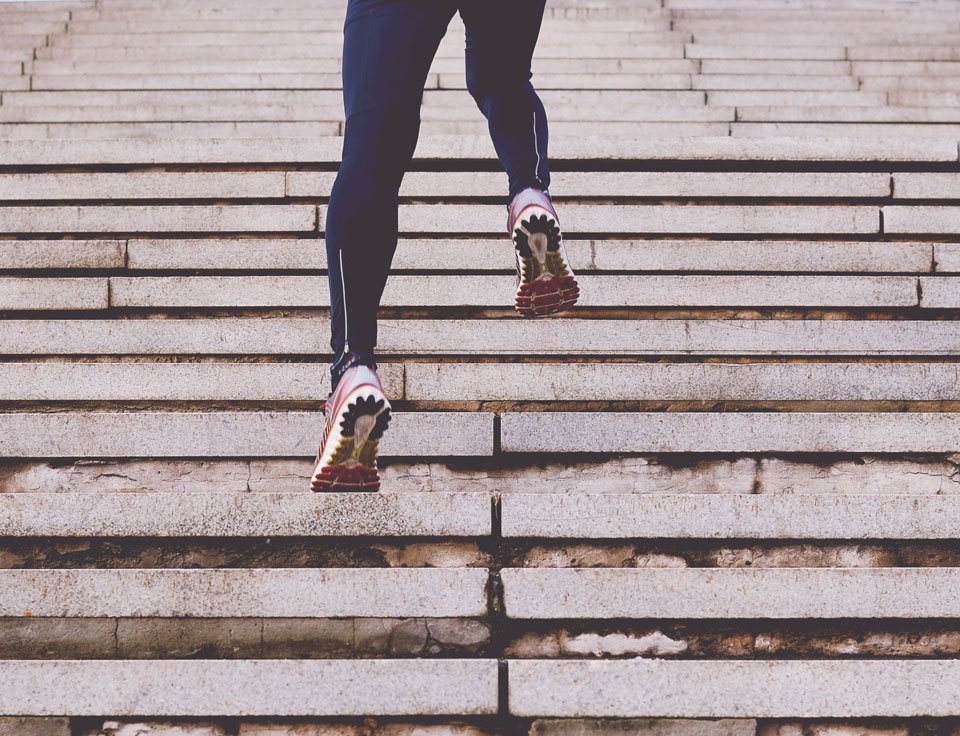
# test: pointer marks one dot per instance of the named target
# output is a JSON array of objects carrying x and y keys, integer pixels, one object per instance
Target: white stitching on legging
[
  {"x": 346, "y": 320},
  {"x": 536, "y": 148}
]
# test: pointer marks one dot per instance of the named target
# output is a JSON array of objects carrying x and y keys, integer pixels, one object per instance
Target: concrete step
[
  {"x": 591, "y": 219},
  {"x": 659, "y": 382},
  {"x": 487, "y": 291},
  {"x": 225, "y": 514},
  {"x": 900, "y": 131},
  {"x": 129, "y": 381},
  {"x": 481, "y": 254},
  {"x": 446, "y": 148},
  {"x": 671, "y": 593},
  {"x": 723, "y": 516},
  {"x": 306, "y": 336},
  {"x": 54, "y": 293},
  {"x": 173, "y": 218},
  {"x": 175, "y": 382},
  {"x": 833, "y": 114},
  {"x": 229, "y": 434},
  {"x": 737, "y": 432},
  {"x": 262, "y": 592},
  {"x": 269, "y": 184},
  {"x": 319, "y": 687},
  {"x": 737, "y": 689}
]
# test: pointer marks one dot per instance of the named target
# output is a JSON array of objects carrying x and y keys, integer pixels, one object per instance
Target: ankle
[{"x": 345, "y": 362}]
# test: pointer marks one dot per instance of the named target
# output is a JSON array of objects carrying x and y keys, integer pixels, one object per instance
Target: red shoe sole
[
  {"x": 343, "y": 478},
  {"x": 547, "y": 296}
]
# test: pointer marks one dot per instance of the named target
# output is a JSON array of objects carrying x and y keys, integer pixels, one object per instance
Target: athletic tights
[{"x": 388, "y": 48}]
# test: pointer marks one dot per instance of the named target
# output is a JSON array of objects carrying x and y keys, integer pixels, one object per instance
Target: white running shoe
[
  {"x": 545, "y": 282},
  {"x": 357, "y": 414}
]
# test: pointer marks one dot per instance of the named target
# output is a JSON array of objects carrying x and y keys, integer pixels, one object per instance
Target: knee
[{"x": 486, "y": 84}]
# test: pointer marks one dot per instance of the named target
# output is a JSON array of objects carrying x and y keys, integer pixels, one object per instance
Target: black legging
[{"x": 387, "y": 51}]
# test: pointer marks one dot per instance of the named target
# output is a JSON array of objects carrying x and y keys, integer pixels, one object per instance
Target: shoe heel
[{"x": 353, "y": 465}]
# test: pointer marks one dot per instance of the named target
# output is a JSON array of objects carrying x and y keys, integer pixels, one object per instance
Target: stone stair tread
[
  {"x": 255, "y": 592},
  {"x": 228, "y": 434},
  {"x": 299, "y": 336},
  {"x": 266, "y": 687},
  {"x": 730, "y": 593},
  {"x": 734, "y": 432},
  {"x": 766, "y": 688},
  {"x": 313, "y": 150},
  {"x": 723, "y": 516}
]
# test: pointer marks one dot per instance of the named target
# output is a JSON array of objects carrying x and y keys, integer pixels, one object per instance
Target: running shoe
[
  {"x": 545, "y": 281},
  {"x": 356, "y": 416}
]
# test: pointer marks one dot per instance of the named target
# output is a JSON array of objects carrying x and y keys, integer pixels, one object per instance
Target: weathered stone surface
[
  {"x": 244, "y": 514},
  {"x": 149, "y": 218},
  {"x": 299, "y": 336},
  {"x": 230, "y": 434},
  {"x": 308, "y": 638},
  {"x": 176, "y": 381},
  {"x": 940, "y": 292},
  {"x": 678, "y": 218},
  {"x": 947, "y": 256},
  {"x": 683, "y": 381},
  {"x": 142, "y": 185},
  {"x": 641, "y": 432},
  {"x": 250, "y": 687},
  {"x": 920, "y": 219},
  {"x": 912, "y": 185},
  {"x": 149, "y": 728},
  {"x": 629, "y": 727},
  {"x": 61, "y": 253},
  {"x": 870, "y": 475},
  {"x": 740, "y": 593},
  {"x": 607, "y": 515},
  {"x": 53, "y": 293},
  {"x": 261, "y": 592},
  {"x": 655, "y": 644},
  {"x": 734, "y": 689},
  {"x": 455, "y": 290},
  {"x": 368, "y": 728},
  {"x": 59, "y": 638},
  {"x": 34, "y": 727},
  {"x": 829, "y": 729},
  {"x": 221, "y": 638}
]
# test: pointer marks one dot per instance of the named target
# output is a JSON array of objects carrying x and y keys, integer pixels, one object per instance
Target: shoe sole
[
  {"x": 547, "y": 283},
  {"x": 354, "y": 443}
]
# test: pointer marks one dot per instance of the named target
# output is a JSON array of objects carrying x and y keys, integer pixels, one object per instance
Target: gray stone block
[
  {"x": 261, "y": 592},
  {"x": 34, "y": 727},
  {"x": 947, "y": 257},
  {"x": 454, "y": 290},
  {"x": 148, "y": 218},
  {"x": 640, "y": 432},
  {"x": 636, "y": 727},
  {"x": 734, "y": 689},
  {"x": 651, "y": 219},
  {"x": 305, "y": 336},
  {"x": 62, "y": 253},
  {"x": 928, "y": 185},
  {"x": 143, "y": 185},
  {"x": 945, "y": 220},
  {"x": 21, "y": 294},
  {"x": 249, "y": 687},
  {"x": 244, "y": 514},
  {"x": 227, "y": 434},
  {"x": 681, "y": 382},
  {"x": 176, "y": 381},
  {"x": 940, "y": 292},
  {"x": 721, "y": 516},
  {"x": 739, "y": 593}
]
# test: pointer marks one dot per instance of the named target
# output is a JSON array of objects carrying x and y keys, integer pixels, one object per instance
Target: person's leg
[
  {"x": 387, "y": 51},
  {"x": 500, "y": 39}
]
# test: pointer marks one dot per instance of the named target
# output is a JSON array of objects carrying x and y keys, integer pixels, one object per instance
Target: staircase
[{"x": 719, "y": 498}]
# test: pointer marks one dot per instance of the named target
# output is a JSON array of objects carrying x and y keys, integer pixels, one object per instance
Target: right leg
[{"x": 387, "y": 51}]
